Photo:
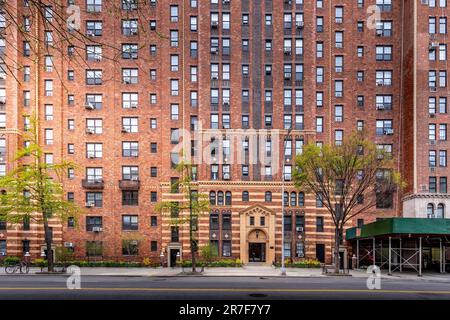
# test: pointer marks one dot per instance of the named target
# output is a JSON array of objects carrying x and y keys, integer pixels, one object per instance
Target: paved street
[{"x": 214, "y": 288}]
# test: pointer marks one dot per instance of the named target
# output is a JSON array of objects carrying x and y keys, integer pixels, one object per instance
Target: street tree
[
  {"x": 33, "y": 191},
  {"x": 347, "y": 179},
  {"x": 187, "y": 211}
]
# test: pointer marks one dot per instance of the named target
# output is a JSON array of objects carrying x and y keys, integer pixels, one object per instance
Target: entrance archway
[
  {"x": 257, "y": 246},
  {"x": 257, "y": 235}
]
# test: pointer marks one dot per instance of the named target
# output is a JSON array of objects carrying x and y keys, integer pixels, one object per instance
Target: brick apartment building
[{"x": 322, "y": 68}]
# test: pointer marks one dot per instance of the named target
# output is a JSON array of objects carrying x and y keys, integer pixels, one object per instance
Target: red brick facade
[{"x": 253, "y": 71}]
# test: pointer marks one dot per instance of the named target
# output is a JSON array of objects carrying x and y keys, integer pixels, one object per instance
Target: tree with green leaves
[
  {"x": 194, "y": 203},
  {"x": 33, "y": 191},
  {"x": 348, "y": 179}
]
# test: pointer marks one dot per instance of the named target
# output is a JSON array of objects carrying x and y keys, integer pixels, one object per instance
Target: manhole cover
[{"x": 257, "y": 295}]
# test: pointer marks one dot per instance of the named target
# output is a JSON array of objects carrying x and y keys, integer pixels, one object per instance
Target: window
[
  {"x": 319, "y": 224},
  {"x": 94, "y": 199},
  {"x": 94, "y": 150},
  {"x": 94, "y": 77},
  {"x": 92, "y": 223},
  {"x": 130, "y": 125},
  {"x": 129, "y": 51},
  {"x": 130, "y": 27},
  {"x": 130, "y": 222},
  {"x": 130, "y": 198},
  {"x": 130, "y": 149}
]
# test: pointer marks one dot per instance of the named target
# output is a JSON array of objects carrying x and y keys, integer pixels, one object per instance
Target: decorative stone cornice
[{"x": 426, "y": 196}]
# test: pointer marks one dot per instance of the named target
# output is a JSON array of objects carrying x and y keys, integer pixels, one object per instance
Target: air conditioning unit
[
  {"x": 126, "y": 81},
  {"x": 134, "y": 105},
  {"x": 226, "y": 176},
  {"x": 380, "y": 107},
  {"x": 225, "y": 1},
  {"x": 98, "y": 59},
  {"x": 432, "y": 142},
  {"x": 89, "y": 107},
  {"x": 432, "y": 169},
  {"x": 134, "y": 242},
  {"x": 287, "y": 76},
  {"x": 90, "y": 131},
  {"x": 433, "y": 89},
  {"x": 97, "y": 229},
  {"x": 90, "y": 33},
  {"x": 68, "y": 244},
  {"x": 287, "y": 51},
  {"x": 299, "y": 229},
  {"x": 379, "y": 33},
  {"x": 214, "y": 24},
  {"x": 214, "y": 77},
  {"x": 389, "y": 131},
  {"x": 133, "y": 32},
  {"x": 214, "y": 50},
  {"x": 134, "y": 178},
  {"x": 299, "y": 24},
  {"x": 2, "y": 100},
  {"x": 380, "y": 83},
  {"x": 90, "y": 204},
  {"x": 380, "y": 156},
  {"x": 226, "y": 103},
  {"x": 125, "y": 130},
  {"x": 432, "y": 115},
  {"x": 91, "y": 156},
  {"x": 433, "y": 45}
]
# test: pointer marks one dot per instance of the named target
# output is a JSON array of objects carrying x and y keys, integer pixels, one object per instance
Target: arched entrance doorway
[
  {"x": 257, "y": 235},
  {"x": 257, "y": 245}
]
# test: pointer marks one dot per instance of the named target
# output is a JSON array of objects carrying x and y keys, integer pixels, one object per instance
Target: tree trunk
[
  {"x": 194, "y": 262},
  {"x": 337, "y": 243},
  {"x": 48, "y": 243}
]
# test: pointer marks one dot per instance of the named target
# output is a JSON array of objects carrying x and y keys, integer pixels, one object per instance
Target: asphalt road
[{"x": 216, "y": 288}]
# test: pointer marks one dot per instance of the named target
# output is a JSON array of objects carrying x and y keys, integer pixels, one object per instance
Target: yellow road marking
[{"x": 233, "y": 290}]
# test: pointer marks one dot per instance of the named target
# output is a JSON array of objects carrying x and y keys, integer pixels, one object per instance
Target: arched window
[
  {"x": 286, "y": 199},
  {"x": 430, "y": 210},
  {"x": 301, "y": 199},
  {"x": 220, "y": 198},
  {"x": 228, "y": 198},
  {"x": 293, "y": 199},
  {"x": 245, "y": 196},
  {"x": 440, "y": 212},
  {"x": 268, "y": 196},
  {"x": 212, "y": 198}
]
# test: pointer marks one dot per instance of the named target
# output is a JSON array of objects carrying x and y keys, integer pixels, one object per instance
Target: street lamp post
[{"x": 283, "y": 265}]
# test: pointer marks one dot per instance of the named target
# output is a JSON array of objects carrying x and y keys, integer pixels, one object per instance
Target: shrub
[
  {"x": 41, "y": 263},
  {"x": 11, "y": 261},
  {"x": 305, "y": 263},
  {"x": 223, "y": 263}
]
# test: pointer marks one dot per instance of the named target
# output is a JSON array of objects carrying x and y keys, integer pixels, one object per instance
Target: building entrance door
[
  {"x": 174, "y": 257},
  {"x": 257, "y": 252}
]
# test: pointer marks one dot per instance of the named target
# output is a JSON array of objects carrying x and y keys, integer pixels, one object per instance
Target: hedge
[{"x": 225, "y": 263}]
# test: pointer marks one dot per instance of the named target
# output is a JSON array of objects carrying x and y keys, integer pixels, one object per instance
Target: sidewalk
[{"x": 245, "y": 271}]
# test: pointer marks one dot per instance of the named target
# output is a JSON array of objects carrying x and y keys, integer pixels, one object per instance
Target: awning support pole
[
  {"x": 420, "y": 256},
  {"x": 401, "y": 256},
  {"x": 440, "y": 255},
  {"x": 374, "y": 259},
  {"x": 357, "y": 254},
  {"x": 443, "y": 258},
  {"x": 390, "y": 256}
]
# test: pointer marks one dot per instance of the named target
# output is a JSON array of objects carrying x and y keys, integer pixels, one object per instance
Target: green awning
[{"x": 399, "y": 226}]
